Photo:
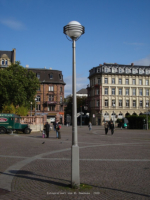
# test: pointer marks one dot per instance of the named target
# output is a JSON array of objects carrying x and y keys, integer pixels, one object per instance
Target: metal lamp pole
[
  {"x": 35, "y": 105},
  {"x": 113, "y": 114},
  {"x": 147, "y": 118},
  {"x": 81, "y": 117},
  {"x": 31, "y": 109},
  {"x": 74, "y": 30}
]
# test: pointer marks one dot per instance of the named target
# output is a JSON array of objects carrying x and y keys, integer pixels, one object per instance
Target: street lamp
[
  {"x": 147, "y": 117},
  {"x": 81, "y": 117},
  {"x": 74, "y": 30},
  {"x": 35, "y": 105},
  {"x": 114, "y": 114},
  {"x": 31, "y": 109}
]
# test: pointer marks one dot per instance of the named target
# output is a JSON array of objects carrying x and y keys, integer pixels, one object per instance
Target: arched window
[
  {"x": 6, "y": 62},
  {"x": 3, "y": 62}
]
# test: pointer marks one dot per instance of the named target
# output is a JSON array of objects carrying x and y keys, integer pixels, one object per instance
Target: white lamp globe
[{"x": 74, "y": 29}]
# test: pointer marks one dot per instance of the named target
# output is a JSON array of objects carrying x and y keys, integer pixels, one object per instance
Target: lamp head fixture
[{"x": 74, "y": 30}]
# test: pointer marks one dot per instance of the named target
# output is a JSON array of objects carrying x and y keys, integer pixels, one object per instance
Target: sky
[{"x": 116, "y": 31}]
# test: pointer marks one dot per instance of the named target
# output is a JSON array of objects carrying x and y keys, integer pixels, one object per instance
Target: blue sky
[{"x": 116, "y": 31}]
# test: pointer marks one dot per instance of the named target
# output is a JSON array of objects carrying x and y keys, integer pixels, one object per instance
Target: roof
[{"x": 82, "y": 91}]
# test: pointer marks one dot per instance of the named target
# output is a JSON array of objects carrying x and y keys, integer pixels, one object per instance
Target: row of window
[
  {"x": 50, "y": 76},
  {"x": 120, "y": 103},
  {"x": 50, "y": 98},
  {"x": 4, "y": 62},
  {"x": 127, "y": 81},
  {"x": 51, "y": 89},
  {"x": 50, "y": 108},
  {"x": 127, "y": 91}
]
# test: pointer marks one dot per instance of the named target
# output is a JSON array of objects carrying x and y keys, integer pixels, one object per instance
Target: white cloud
[
  {"x": 144, "y": 61},
  {"x": 13, "y": 24},
  {"x": 81, "y": 82}
]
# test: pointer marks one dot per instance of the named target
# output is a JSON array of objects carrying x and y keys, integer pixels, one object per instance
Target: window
[
  {"x": 141, "y": 103},
  {"x": 113, "y": 80},
  {"x": 127, "y": 91},
  {"x": 51, "y": 108},
  {"x": 106, "y": 103},
  {"x": 60, "y": 98},
  {"x": 147, "y": 103},
  {"x": 99, "y": 81},
  {"x": 38, "y": 98},
  {"x": 38, "y": 75},
  {"x": 38, "y": 107},
  {"x": 133, "y": 92},
  {"x": 61, "y": 108},
  {"x": 38, "y": 89},
  {"x": 133, "y": 81},
  {"x": 60, "y": 89},
  {"x": 147, "y": 92},
  {"x": 51, "y": 88},
  {"x": 3, "y": 62},
  {"x": 127, "y": 81},
  {"x": 120, "y": 103},
  {"x": 97, "y": 103},
  {"x": 60, "y": 76},
  {"x": 140, "y": 81},
  {"x": 120, "y": 81},
  {"x": 134, "y": 103},
  {"x": 140, "y": 92},
  {"x": 113, "y": 91},
  {"x": 113, "y": 103},
  {"x": 6, "y": 62},
  {"x": 51, "y": 97},
  {"x": 106, "y": 80},
  {"x": 51, "y": 76},
  {"x": 120, "y": 91},
  {"x": 106, "y": 91},
  {"x": 127, "y": 103},
  {"x": 147, "y": 82}
]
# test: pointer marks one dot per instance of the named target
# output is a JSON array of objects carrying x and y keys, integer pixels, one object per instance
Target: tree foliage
[{"x": 17, "y": 86}]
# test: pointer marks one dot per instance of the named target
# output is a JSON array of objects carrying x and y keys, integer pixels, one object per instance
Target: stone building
[
  {"x": 117, "y": 90},
  {"x": 7, "y": 57},
  {"x": 50, "y": 95}
]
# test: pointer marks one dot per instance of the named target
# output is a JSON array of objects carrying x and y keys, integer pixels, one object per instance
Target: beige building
[
  {"x": 118, "y": 90},
  {"x": 7, "y": 57}
]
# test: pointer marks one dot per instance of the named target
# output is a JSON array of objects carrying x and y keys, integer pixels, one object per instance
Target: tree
[{"x": 18, "y": 86}]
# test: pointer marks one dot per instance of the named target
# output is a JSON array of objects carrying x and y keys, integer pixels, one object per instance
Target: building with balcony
[
  {"x": 117, "y": 90},
  {"x": 50, "y": 95}
]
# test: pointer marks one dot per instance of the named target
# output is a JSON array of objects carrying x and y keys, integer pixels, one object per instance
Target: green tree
[{"x": 18, "y": 86}]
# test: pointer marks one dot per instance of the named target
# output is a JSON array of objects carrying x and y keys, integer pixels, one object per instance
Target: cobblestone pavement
[{"x": 115, "y": 167}]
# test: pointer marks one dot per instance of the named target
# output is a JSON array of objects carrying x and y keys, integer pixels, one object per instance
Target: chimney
[
  {"x": 14, "y": 55},
  {"x": 100, "y": 64},
  {"x": 132, "y": 64}
]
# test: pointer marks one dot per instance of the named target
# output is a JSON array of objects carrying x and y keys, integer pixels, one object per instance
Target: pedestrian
[
  {"x": 112, "y": 127},
  {"x": 54, "y": 125},
  {"x": 106, "y": 126},
  {"x": 47, "y": 127},
  {"x": 90, "y": 126},
  {"x": 121, "y": 124},
  {"x": 57, "y": 129}
]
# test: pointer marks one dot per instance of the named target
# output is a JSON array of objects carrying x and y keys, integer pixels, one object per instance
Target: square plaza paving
[{"x": 115, "y": 166}]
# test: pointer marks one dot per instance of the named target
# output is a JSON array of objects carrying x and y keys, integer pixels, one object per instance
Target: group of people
[
  {"x": 109, "y": 126},
  {"x": 56, "y": 128}
]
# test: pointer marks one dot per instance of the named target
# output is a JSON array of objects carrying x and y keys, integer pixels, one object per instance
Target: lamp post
[
  {"x": 74, "y": 30},
  {"x": 81, "y": 117},
  {"x": 31, "y": 109},
  {"x": 147, "y": 118},
  {"x": 114, "y": 114},
  {"x": 35, "y": 105}
]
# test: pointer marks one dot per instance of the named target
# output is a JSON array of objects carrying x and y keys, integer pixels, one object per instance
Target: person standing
[
  {"x": 106, "y": 126},
  {"x": 112, "y": 127},
  {"x": 90, "y": 126},
  {"x": 47, "y": 127},
  {"x": 54, "y": 125}
]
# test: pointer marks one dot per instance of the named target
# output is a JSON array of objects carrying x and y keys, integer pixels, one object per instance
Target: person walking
[
  {"x": 106, "y": 126},
  {"x": 47, "y": 128},
  {"x": 54, "y": 125},
  {"x": 90, "y": 126},
  {"x": 112, "y": 128},
  {"x": 57, "y": 129}
]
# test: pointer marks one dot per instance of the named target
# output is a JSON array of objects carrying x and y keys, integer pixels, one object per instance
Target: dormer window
[
  {"x": 3, "y": 62},
  {"x": 38, "y": 75},
  {"x": 60, "y": 76},
  {"x": 6, "y": 62},
  {"x": 51, "y": 76}
]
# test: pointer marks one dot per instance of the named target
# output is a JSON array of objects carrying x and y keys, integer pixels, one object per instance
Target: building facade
[
  {"x": 7, "y": 57},
  {"x": 50, "y": 95},
  {"x": 117, "y": 90}
]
